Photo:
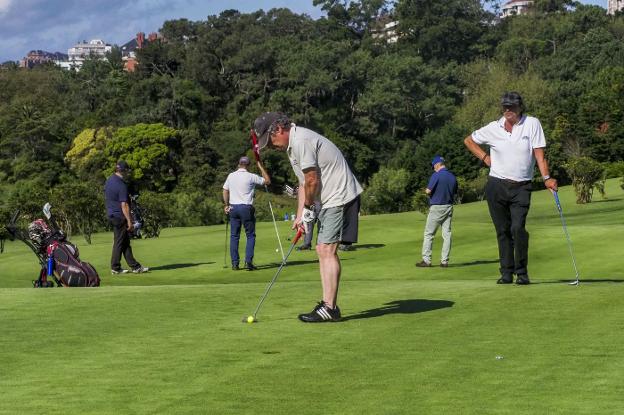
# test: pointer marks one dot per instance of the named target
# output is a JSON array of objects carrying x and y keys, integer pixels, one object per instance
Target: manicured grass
[{"x": 413, "y": 340}]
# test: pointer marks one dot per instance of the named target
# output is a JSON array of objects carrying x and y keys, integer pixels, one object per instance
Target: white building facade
[
  {"x": 615, "y": 6},
  {"x": 79, "y": 52},
  {"x": 515, "y": 8}
]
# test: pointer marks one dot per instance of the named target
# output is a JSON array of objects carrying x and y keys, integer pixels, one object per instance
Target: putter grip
[{"x": 298, "y": 235}]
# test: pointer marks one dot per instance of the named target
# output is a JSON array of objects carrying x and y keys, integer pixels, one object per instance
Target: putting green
[{"x": 413, "y": 340}]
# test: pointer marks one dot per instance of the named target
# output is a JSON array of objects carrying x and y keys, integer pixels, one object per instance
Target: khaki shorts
[{"x": 339, "y": 224}]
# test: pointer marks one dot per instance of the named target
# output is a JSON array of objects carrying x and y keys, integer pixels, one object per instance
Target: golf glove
[{"x": 308, "y": 215}]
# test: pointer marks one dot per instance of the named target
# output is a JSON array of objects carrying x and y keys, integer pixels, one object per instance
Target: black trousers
[
  {"x": 121, "y": 245},
  {"x": 509, "y": 205}
]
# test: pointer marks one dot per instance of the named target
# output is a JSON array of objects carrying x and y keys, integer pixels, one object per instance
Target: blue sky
[{"x": 56, "y": 25}]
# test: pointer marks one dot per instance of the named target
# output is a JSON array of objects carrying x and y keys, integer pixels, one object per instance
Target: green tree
[{"x": 151, "y": 152}]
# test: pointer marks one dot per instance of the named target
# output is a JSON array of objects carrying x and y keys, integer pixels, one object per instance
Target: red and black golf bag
[
  {"x": 59, "y": 259},
  {"x": 67, "y": 268}
]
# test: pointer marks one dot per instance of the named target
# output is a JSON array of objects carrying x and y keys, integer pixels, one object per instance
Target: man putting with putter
[
  {"x": 516, "y": 142},
  {"x": 324, "y": 178}
]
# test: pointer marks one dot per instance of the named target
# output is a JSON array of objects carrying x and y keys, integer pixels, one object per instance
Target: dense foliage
[{"x": 182, "y": 119}]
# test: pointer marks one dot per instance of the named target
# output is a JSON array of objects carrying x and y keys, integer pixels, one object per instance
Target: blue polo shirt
[
  {"x": 443, "y": 186},
  {"x": 115, "y": 192}
]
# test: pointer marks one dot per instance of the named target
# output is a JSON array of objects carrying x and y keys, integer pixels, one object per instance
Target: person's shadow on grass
[
  {"x": 402, "y": 307},
  {"x": 288, "y": 263},
  {"x": 176, "y": 266}
]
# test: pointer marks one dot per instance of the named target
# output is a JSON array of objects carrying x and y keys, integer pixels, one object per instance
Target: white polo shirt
[
  {"x": 307, "y": 149},
  {"x": 241, "y": 184},
  {"x": 511, "y": 154}
]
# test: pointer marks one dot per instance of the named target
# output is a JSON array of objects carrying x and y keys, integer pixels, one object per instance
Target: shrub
[
  {"x": 157, "y": 211},
  {"x": 586, "y": 174},
  {"x": 387, "y": 192},
  {"x": 80, "y": 206},
  {"x": 420, "y": 203},
  {"x": 615, "y": 169}
]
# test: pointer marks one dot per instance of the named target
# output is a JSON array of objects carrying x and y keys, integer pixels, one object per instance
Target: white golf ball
[{"x": 276, "y": 250}]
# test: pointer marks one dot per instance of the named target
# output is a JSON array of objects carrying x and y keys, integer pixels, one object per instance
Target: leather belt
[{"x": 512, "y": 182}]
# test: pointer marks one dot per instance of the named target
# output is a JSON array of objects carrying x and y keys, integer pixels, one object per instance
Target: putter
[
  {"x": 266, "y": 292},
  {"x": 565, "y": 231}
]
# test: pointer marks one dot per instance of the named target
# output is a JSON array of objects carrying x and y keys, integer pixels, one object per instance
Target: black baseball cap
[
  {"x": 262, "y": 125},
  {"x": 511, "y": 99},
  {"x": 122, "y": 166}
]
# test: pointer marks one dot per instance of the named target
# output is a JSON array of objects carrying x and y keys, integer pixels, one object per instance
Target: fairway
[{"x": 413, "y": 341}]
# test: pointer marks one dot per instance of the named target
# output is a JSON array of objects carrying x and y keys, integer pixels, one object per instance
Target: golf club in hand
[
  {"x": 252, "y": 318},
  {"x": 567, "y": 235}
]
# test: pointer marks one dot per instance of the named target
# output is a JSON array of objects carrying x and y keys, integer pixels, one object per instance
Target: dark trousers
[
  {"x": 121, "y": 245},
  {"x": 245, "y": 216},
  {"x": 309, "y": 235},
  {"x": 509, "y": 205}
]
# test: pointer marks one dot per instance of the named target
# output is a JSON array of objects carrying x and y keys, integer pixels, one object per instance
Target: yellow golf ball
[{"x": 250, "y": 319}]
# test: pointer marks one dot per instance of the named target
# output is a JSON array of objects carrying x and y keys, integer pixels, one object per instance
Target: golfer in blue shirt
[{"x": 441, "y": 189}]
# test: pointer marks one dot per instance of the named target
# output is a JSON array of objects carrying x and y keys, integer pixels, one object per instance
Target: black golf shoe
[
  {"x": 523, "y": 279},
  {"x": 321, "y": 314},
  {"x": 249, "y": 266},
  {"x": 235, "y": 267},
  {"x": 505, "y": 279}
]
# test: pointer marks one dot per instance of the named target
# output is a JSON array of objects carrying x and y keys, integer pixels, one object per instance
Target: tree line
[{"x": 182, "y": 119}]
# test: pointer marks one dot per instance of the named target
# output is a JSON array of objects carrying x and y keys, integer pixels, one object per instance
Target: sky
[{"x": 56, "y": 25}]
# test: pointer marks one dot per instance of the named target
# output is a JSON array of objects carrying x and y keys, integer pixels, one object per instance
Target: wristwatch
[{"x": 546, "y": 177}]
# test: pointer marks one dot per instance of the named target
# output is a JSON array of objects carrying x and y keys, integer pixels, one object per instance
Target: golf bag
[
  {"x": 59, "y": 258},
  {"x": 136, "y": 214}
]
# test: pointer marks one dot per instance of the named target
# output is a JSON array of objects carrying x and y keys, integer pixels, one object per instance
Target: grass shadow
[
  {"x": 478, "y": 262},
  {"x": 402, "y": 307},
  {"x": 366, "y": 246},
  {"x": 615, "y": 199},
  {"x": 177, "y": 266}
]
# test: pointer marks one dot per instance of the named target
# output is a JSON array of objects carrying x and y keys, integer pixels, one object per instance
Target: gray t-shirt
[{"x": 308, "y": 149}]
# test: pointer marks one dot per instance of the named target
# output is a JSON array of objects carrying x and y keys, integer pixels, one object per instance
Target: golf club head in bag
[
  {"x": 47, "y": 210},
  {"x": 567, "y": 235},
  {"x": 252, "y": 318}
]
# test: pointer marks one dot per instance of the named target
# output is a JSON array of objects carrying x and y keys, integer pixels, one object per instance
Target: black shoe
[
  {"x": 235, "y": 267},
  {"x": 249, "y": 266},
  {"x": 423, "y": 264},
  {"x": 321, "y": 313},
  {"x": 346, "y": 247},
  {"x": 304, "y": 248},
  {"x": 522, "y": 279},
  {"x": 505, "y": 279}
]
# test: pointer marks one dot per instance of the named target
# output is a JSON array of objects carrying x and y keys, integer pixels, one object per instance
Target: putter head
[
  {"x": 576, "y": 282},
  {"x": 47, "y": 210}
]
